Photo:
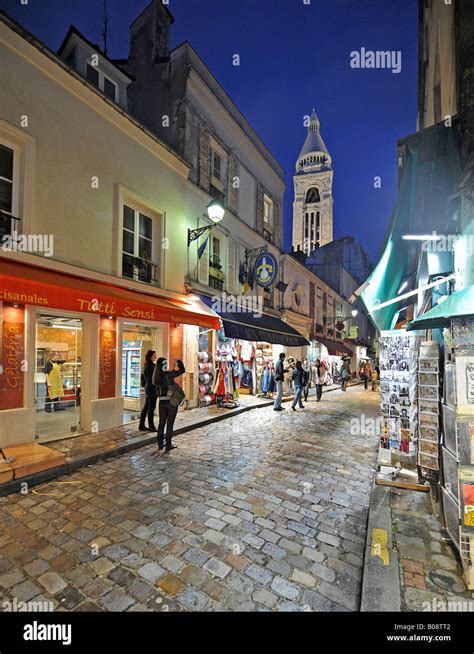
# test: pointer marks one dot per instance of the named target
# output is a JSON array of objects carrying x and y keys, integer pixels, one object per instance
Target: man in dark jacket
[
  {"x": 279, "y": 375},
  {"x": 150, "y": 393},
  {"x": 298, "y": 377},
  {"x": 163, "y": 379}
]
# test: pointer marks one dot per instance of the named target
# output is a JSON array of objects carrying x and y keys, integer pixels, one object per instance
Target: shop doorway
[
  {"x": 58, "y": 376},
  {"x": 136, "y": 340}
]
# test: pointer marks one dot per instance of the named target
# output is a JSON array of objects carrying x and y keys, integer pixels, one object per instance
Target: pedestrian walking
[
  {"x": 163, "y": 379},
  {"x": 320, "y": 378},
  {"x": 279, "y": 376},
  {"x": 148, "y": 410},
  {"x": 298, "y": 380},
  {"x": 375, "y": 377},
  {"x": 307, "y": 379},
  {"x": 367, "y": 374},
  {"x": 345, "y": 374}
]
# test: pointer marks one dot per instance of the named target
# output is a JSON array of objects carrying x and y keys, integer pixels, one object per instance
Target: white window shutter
[
  {"x": 203, "y": 264},
  {"x": 231, "y": 265}
]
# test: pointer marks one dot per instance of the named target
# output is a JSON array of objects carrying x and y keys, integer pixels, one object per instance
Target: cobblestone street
[{"x": 262, "y": 511}]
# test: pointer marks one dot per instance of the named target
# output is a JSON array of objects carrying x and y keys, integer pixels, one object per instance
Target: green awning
[{"x": 460, "y": 303}]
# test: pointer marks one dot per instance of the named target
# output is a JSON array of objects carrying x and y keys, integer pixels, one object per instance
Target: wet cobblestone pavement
[{"x": 263, "y": 511}]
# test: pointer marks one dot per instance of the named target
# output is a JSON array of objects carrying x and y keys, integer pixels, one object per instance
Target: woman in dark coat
[
  {"x": 162, "y": 379},
  {"x": 150, "y": 393}
]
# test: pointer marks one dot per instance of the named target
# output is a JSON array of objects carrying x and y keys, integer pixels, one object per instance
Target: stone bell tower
[{"x": 312, "y": 205}]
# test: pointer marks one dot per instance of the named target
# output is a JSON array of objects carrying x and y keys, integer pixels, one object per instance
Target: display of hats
[
  {"x": 205, "y": 378},
  {"x": 206, "y": 400},
  {"x": 202, "y": 389},
  {"x": 203, "y": 356}
]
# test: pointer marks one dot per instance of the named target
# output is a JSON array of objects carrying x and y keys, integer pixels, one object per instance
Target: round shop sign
[{"x": 266, "y": 269}]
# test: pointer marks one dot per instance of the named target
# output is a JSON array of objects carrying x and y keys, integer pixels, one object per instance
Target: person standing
[
  {"x": 279, "y": 377},
  {"x": 320, "y": 378},
  {"x": 163, "y": 379},
  {"x": 150, "y": 393},
  {"x": 298, "y": 380},
  {"x": 345, "y": 374},
  {"x": 307, "y": 379},
  {"x": 375, "y": 377},
  {"x": 367, "y": 374}
]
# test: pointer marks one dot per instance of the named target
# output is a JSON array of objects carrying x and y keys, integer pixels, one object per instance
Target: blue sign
[{"x": 265, "y": 270}]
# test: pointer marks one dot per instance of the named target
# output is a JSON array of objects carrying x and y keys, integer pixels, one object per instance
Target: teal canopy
[
  {"x": 431, "y": 171},
  {"x": 460, "y": 303}
]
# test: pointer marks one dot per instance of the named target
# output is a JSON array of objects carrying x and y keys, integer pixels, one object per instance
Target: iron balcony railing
[{"x": 8, "y": 224}]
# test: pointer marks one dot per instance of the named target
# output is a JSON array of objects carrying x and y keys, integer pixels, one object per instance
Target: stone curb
[
  {"x": 92, "y": 457},
  {"x": 380, "y": 583}
]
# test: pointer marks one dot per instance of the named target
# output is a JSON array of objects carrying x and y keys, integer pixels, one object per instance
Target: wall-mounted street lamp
[{"x": 215, "y": 211}]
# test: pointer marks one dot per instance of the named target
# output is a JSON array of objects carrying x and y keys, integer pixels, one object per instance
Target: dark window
[
  {"x": 109, "y": 89},
  {"x": 312, "y": 196},
  {"x": 71, "y": 58},
  {"x": 6, "y": 178},
  {"x": 216, "y": 166},
  {"x": 93, "y": 75}
]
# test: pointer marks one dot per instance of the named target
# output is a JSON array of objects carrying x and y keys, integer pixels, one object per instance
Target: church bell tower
[{"x": 312, "y": 205}]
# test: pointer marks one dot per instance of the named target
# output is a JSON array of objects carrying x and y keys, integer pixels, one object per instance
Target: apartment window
[
  {"x": 216, "y": 252},
  {"x": 97, "y": 78},
  {"x": 216, "y": 165},
  {"x": 267, "y": 210},
  {"x": 312, "y": 196},
  {"x": 137, "y": 246},
  {"x": 6, "y": 178}
]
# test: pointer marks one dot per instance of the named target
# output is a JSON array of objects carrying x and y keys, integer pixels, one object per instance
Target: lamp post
[{"x": 215, "y": 211}]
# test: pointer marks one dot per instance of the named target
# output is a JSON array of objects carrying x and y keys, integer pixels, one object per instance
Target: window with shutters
[
  {"x": 140, "y": 239},
  {"x": 96, "y": 77},
  {"x": 231, "y": 266},
  {"x": 217, "y": 168}
]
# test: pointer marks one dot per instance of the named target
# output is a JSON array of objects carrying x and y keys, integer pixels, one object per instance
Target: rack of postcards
[
  {"x": 398, "y": 393},
  {"x": 428, "y": 410}
]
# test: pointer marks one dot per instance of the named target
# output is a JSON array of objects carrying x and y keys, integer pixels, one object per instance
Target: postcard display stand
[
  {"x": 428, "y": 411},
  {"x": 398, "y": 394},
  {"x": 458, "y": 440}
]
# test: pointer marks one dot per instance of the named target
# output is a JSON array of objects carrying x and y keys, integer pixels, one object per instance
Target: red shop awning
[
  {"x": 335, "y": 348},
  {"x": 25, "y": 284}
]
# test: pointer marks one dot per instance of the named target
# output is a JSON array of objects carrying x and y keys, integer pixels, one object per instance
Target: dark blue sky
[{"x": 293, "y": 57}]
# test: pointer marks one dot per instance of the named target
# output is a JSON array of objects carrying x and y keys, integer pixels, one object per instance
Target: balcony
[
  {"x": 141, "y": 270},
  {"x": 216, "y": 276},
  {"x": 8, "y": 224}
]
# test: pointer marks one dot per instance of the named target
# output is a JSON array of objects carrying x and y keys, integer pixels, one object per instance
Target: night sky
[{"x": 293, "y": 57}]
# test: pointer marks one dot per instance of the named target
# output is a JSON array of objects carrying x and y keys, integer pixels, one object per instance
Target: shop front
[
  {"x": 240, "y": 358},
  {"x": 72, "y": 350},
  {"x": 331, "y": 354}
]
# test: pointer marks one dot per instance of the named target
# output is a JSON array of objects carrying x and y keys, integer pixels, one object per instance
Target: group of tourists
[
  {"x": 302, "y": 374},
  {"x": 159, "y": 386},
  {"x": 368, "y": 374}
]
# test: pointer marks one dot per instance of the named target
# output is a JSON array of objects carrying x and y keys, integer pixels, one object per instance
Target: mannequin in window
[
  {"x": 312, "y": 196},
  {"x": 54, "y": 382}
]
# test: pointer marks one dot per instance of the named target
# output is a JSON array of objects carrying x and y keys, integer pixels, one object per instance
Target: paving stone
[
  {"x": 115, "y": 552},
  {"x": 279, "y": 567},
  {"x": 193, "y": 600},
  {"x": 116, "y": 601},
  {"x": 312, "y": 600},
  {"x": 121, "y": 576},
  {"x": 25, "y": 591},
  {"x": 323, "y": 572},
  {"x": 151, "y": 572},
  {"x": 11, "y": 578},
  {"x": 196, "y": 556},
  {"x": 259, "y": 574},
  {"x": 170, "y": 584},
  {"x": 339, "y": 595},
  {"x": 216, "y": 590},
  {"x": 240, "y": 583},
  {"x": 172, "y": 563},
  {"x": 217, "y": 568},
  {"x": 285, "y": 588},
  {"x": 141, "y": 590},
  {"x": 330, "y": 539},
  {"x": 102, "y": 566},
  {"x": 265, "y": 597},
  {"x": 193, "y": 575},
  {"x": 275, "y": 551},
  {"x": 302, "y": 578},
  {"x": 52, "y": 582},
  {"x": 314, "y": 555},
  {"x": 271, "y": 536},
  {"x": 69, "y": 598}
]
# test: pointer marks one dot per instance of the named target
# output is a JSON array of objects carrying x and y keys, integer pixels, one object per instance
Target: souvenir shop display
[
  {"x": 264, "y": 369},
  {"x": 225, "y": 387},
  {"x": 428, "y": 407},
  {"x": 398, "y": 391},
  {"x": 205, "y": 371}
]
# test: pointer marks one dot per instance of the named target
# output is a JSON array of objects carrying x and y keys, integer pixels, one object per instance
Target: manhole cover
[{"x": 447, "y": 581}]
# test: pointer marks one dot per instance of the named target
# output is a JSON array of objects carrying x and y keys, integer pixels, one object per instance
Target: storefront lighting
[
  {"x": 354, "y": 312},
  {"x": 59, "y": 326},
  {"x": 215, "y": 211},
  {"x": 110, "y": 317},
  {"x": 402, "y": 287},
  {"x": 16, "y": 305},
  {"x": 421, "y": 237}
]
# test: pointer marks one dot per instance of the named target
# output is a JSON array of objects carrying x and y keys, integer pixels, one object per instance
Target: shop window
[{"x": 137, "y": 246}]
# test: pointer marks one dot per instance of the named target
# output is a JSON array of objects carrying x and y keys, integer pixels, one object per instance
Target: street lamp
[
  {"x": 354, "y": 312},
  {"x": 215, "y": 211}
]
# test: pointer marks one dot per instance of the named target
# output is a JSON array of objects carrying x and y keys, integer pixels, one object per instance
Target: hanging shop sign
[
  {"x": 265, "y": 270},
  {"x": 353, "y": 332}
]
